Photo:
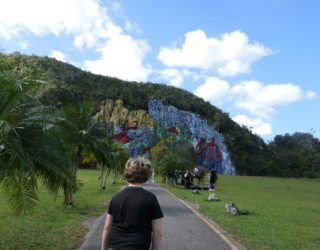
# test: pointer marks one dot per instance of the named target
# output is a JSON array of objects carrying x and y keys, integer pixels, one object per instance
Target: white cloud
[
  {"x": 311, "y": 94},
  {"x": 255, "y": 98},
  {"x": 231, "y": 54},
  {"x": 84, "y": 19},
  {"x": 58, "y": 55},
  {"x": 173, "y": 76},
  {"x": 23, "y": 45},
  {"x": 261, "y": 100},
  {"x": 132, "y": 27},
  {"x": 176, "y": 77},
  {"x": 122, "y": 57},
  {"x": 214, "y": 90},
  {"x": 257, "y": 126},
  {"x": 117, "y": 8}
]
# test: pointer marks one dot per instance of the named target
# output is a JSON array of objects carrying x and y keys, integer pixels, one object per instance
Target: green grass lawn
[
  {"x": 281, "y": 213},
  {"x": 53, "y": 226}
]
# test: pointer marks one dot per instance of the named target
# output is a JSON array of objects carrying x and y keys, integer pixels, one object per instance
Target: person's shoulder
[
  {"x": 148, "y": 193},
  {"x": 120, "y": 192}
]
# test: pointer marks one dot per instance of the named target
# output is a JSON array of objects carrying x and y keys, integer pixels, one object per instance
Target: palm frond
[{"x": 21, "y": 191}]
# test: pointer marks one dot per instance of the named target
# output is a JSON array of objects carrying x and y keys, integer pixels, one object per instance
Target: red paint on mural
[
  {"x": 173, "y": 130},
  {"x": 122, "y": 137}
]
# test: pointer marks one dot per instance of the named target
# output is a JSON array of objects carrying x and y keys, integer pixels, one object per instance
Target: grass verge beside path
[
  {"x": 53, "y": 226},
  {"x": 280, "y": 213}
]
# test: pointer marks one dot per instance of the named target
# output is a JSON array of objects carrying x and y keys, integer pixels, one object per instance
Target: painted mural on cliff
[
  {"x": 138, "y": 135},
  {"x": 213, "y": 150}
]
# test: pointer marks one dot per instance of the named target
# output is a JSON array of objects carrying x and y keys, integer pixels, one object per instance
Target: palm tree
[
  {"x": 29, "y": 150},
  {"x": 110, "y": 157},
  {"x": 120, "y": 157},
  {"x": 83, "y": 135}
]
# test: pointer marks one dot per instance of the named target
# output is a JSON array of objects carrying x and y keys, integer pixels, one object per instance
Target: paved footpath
[{"x": 183, "y": 227}]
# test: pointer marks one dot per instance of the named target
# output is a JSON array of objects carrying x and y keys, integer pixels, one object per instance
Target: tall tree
[
  {"x": 295, "y": 155},
  {"x": 172, "y": 153},
  {"x": 110, "y": 157},
  {"x": 82, "y": 134},
  {"x": 29, "y": 150}
]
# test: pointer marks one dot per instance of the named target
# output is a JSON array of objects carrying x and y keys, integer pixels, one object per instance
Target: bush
[{"x": 310, "y": 174}]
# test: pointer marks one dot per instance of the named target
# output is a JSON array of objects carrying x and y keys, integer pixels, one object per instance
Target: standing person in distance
[
  {"x": 134, "y": 215},
  {"x": 213, "y": 178}
]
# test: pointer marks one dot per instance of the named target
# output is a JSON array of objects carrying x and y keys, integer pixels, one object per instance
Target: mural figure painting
[{"x": 209, "y": 155}]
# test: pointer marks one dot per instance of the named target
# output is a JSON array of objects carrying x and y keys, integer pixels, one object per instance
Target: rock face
[
  {"x": 209, "y": 155},
  {"x": 134, "y": 130}
]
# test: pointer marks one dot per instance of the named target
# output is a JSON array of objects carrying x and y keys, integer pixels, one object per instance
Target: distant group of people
[{"x": 189, "y": 176}]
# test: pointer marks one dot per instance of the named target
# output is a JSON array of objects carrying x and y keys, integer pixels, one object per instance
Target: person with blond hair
[{"x": 134, "y": 214}]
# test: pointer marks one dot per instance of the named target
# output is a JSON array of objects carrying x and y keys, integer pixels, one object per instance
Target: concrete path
[{"x": 183, "y": 227}]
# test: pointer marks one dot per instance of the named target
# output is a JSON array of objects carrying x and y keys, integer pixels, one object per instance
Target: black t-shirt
[{"x": 133, "y": 209}]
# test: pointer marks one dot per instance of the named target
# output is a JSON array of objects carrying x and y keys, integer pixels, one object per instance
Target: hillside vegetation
[{"x": 250, "y": 154}]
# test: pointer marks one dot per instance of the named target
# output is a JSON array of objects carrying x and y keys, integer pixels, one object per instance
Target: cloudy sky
[{"x": 256, "y": 60}]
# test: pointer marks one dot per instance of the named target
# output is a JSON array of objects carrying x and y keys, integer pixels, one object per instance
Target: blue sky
[{"x": 256, "y": 60}]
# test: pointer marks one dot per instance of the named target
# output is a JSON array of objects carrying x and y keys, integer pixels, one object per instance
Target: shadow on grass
[
  {"x": 247, "y": 212},
  {"x": 242, "y": 212},
  {"x": 212, "y": 201}
]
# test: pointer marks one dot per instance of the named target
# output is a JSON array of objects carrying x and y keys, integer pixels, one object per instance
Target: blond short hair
[{"x": 137, "y": 170}]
